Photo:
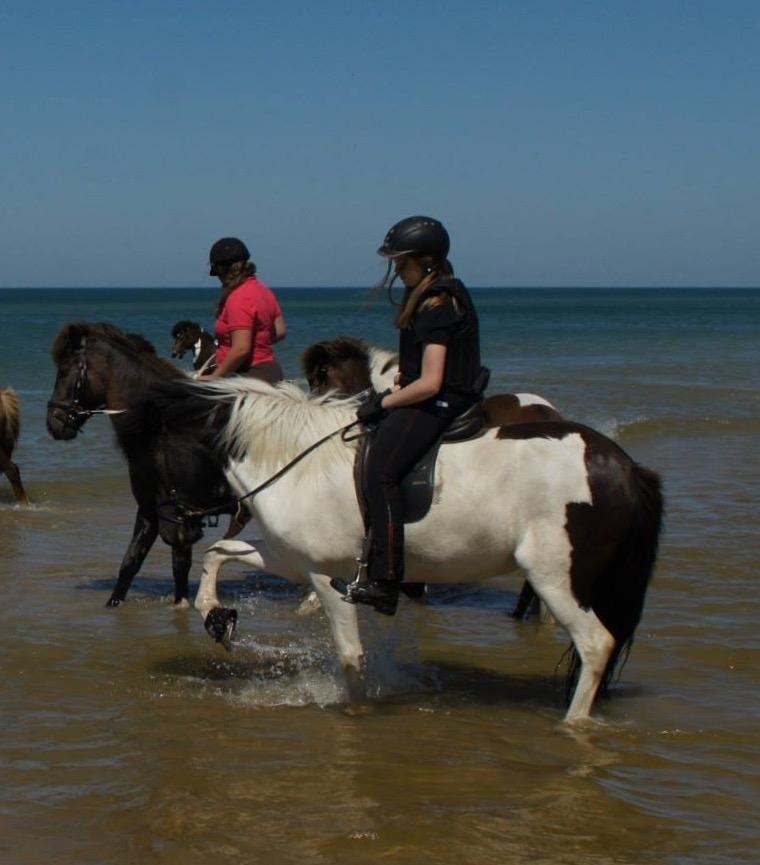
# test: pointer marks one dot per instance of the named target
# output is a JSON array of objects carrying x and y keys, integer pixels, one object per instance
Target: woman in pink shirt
[{"x": 249, "y": 319}]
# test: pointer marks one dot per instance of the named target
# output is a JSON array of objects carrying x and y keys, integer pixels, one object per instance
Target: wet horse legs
[
  {"x": 143, "y": 536},
  {"x": 11, "y": 471}
]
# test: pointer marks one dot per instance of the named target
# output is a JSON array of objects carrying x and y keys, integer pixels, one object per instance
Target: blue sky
[{"x": 562, "y": 143}]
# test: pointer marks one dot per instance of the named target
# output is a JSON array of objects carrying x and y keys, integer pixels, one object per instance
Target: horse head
[
  {"x": 185, "y": 334},
  {"x": 80, "y": 386},
  {"x": 340, "y": 364}
]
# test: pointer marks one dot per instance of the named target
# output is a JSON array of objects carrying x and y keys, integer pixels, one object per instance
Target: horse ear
[
  {"x": 69, "y": 339},
  {"x": 312, "y": 359}
]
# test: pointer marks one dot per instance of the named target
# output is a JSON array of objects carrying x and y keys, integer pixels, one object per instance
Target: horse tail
[
  {"x": 617, "y": 595},
  {"x": 10, "y": 419}
]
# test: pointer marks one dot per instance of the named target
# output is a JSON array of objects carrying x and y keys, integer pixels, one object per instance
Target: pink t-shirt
[{"x": 251, "y": 306}]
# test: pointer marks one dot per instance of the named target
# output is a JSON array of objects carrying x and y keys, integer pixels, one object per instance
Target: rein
[
  {"x": 185, "y": 513},
  {"x": 75, "y": 414}
]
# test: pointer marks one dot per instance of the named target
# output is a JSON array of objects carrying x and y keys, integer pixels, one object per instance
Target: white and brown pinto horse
[
  {"x": 557, "y": 499},
  {"x": 347, "y": 366},
  {"x": 9, "y": 432}
]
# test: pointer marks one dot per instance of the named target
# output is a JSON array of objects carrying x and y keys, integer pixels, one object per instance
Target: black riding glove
[{"x": 372, "y": 410}]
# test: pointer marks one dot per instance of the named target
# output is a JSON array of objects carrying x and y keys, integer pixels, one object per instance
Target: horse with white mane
[{"x": 557, "y": 499}]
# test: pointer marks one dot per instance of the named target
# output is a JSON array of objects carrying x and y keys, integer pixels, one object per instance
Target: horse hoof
[
  {"x": 113, "y": 601},
  {"x": 220, "y": 624},
  {"x": 414, "y": 591}
]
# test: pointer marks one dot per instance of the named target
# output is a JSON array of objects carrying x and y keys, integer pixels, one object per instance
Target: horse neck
[
  {"x": 206, "y": 348},
  {"x": 128, "y": 377},
  {"x": 273, "y": 428}
]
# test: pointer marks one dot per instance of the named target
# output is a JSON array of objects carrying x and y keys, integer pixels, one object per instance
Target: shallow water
[{"x": 128, "y": 736}]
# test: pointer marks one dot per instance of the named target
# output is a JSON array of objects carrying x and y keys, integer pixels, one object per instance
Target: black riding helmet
[
  {"x": 416, "y": 235},
  {"x": 227, "y": 251}
]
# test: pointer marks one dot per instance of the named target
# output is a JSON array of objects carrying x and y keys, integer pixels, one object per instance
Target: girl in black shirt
[{"x": 439, "y": 362}]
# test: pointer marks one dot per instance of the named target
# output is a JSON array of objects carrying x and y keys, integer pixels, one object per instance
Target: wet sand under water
[{"x": 128, "y": 736}]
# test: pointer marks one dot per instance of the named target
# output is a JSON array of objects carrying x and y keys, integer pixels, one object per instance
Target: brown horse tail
[
  {"x": 617, "y": 596},
  {"x": 10, "y": 419}
]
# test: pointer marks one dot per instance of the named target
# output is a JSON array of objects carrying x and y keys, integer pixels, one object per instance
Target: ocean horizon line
[{"x": 684, "y": 288}]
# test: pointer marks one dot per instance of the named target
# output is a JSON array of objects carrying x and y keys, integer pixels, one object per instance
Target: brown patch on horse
[{"x": 504, "y": 409}]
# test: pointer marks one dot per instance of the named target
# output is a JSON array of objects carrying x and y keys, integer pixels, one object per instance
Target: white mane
[
  {"x": 383, "y": 366},
  {"x": 270, "y": 425}
]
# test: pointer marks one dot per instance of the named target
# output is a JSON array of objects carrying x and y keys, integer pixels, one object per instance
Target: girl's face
[{"x": 408, "y": 269}]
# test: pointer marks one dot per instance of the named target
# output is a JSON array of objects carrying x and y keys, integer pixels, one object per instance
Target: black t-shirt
[{"x": 452, "y": 322}]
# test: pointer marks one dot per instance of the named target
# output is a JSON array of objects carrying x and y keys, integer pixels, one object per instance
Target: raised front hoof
[
  {"x": 114, "y": 601},
  {"x": 221, "y": 624}
]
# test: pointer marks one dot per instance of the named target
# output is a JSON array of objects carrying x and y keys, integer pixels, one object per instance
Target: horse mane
[
  {"x": 383, "y": 366},
  {"x": 134, "y": 346},
  {"x": 272, "y": 424},
  {"x": 10, "y": 419}
]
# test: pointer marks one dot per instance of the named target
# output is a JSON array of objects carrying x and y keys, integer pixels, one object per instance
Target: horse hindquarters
[
  {"x": 593, "y": 574},
  {"x": 617, "y": 595}
]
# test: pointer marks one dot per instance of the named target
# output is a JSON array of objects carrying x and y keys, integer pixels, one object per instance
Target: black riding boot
[{"x": 380, "y": 594}]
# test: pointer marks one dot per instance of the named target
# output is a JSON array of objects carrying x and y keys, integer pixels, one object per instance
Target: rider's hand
[{"x": 372, "y": 410}]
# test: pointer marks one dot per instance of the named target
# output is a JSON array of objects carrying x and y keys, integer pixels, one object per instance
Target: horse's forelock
[
  {"x": 69, "y": 339},
  {"x": 184, "y": 325}
]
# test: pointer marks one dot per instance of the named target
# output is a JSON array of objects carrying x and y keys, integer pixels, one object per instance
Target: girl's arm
[
  {"x": 239, "y": 353},
  {"x": 427, "y": 385},
  {"x": 280, "y": 328}
]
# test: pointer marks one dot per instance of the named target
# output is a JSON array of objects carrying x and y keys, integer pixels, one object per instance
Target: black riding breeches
[{"x": 403, "y": 437}]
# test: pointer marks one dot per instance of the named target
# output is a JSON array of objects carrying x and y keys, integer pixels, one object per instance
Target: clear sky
[{"x": 562, "y": 143}]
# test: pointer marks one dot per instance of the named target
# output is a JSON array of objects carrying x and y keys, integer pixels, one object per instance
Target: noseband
[{"x": 76, "y": 415}]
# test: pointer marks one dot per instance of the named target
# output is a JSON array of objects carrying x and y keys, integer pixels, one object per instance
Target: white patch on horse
[
  {"x": 546, "y": 538},
  {"x": 532, "y": 399}
]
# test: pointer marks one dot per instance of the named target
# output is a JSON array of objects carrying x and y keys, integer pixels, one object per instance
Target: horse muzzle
[{"x": 63, "y": 422}]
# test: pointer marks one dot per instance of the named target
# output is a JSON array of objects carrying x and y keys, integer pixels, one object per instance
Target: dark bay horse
[
  {"x": 10, "y": 426},
  {"x": 101, "y": 367},
  {"x": 190, "y": 336}
]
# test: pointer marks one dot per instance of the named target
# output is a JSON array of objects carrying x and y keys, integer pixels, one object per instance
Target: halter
[{"x": 76, "y": 415}]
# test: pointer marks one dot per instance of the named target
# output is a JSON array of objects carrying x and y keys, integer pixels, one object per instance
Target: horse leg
[
  {"x": 529, "y": 604},
  {"x": 11, "y": 471},
  {"x": 526, "y": 602},
  {"x": 182, "y": 559},
  {"x": 309, "y": 605},
  {"x": 220, "y": 622},
  {"x": 143, "y": 536},
  {"x": 344, "y": 625},
  {"x": 593, "y": 643}
]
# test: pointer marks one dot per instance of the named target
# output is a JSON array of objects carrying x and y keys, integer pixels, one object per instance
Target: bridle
[{"x": 75, "y": 414}]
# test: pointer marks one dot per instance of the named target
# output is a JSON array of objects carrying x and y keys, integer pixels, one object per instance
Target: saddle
[{"x": 418, "y": 484}]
